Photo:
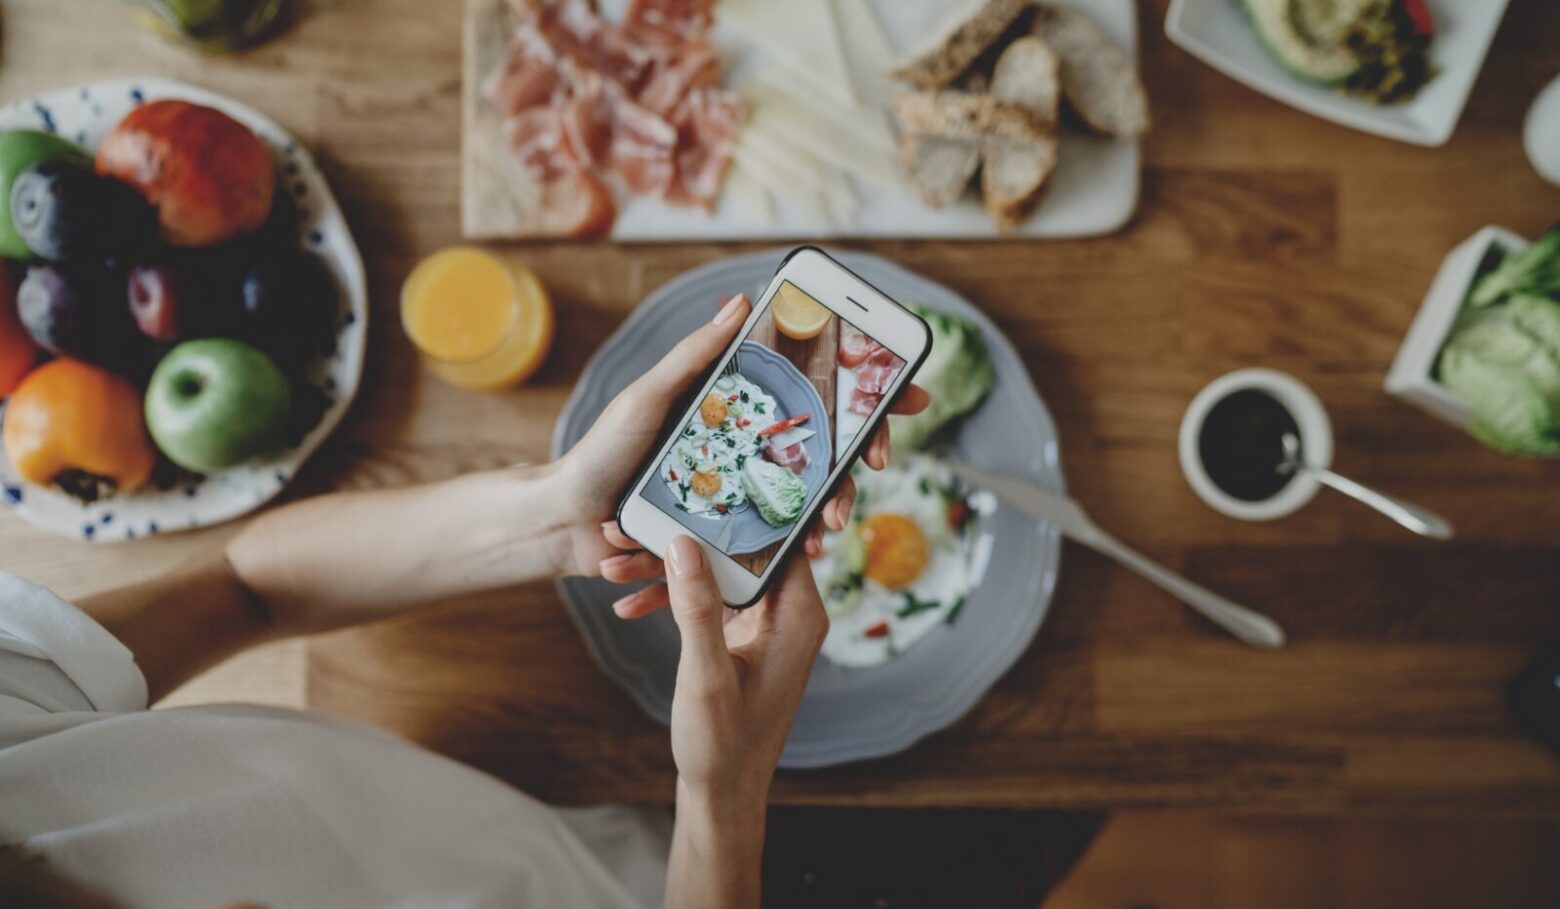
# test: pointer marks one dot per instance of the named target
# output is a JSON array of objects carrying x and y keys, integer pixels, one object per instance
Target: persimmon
[{"x": 70, "y": 415}]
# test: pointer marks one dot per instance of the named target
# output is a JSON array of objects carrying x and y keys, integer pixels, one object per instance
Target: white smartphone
[{"x": 778, "y": 421}]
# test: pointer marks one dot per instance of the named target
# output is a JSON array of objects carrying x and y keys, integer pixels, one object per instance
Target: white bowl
[
  {"x": 1541, "y": 132},
  {"x": 1316, "y": 440},
  {"x": 1219, "y": 33},
  {"x": 1412, "y": 375}
]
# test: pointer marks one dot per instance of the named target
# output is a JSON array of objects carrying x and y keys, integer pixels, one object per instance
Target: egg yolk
[{"x": 896, "y": 550}]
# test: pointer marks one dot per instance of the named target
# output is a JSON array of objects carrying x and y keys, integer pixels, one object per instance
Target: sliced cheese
[
  {"x": 749, "y": 194},
  {"x": 791, "y": 436},
  {"x": 868, "y": 51},
  {"x": 857, "y": 123},
  {"x": 798, "y": 35},
  {"x": 781, "y": 125},
  {"x": 809, "y": 202}
]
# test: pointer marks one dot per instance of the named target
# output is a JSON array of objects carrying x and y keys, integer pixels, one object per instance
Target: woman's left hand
[{"x": 595, "y": 471}]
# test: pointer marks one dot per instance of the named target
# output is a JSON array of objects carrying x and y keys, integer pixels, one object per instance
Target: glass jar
[{"x": 213, "y": 25}]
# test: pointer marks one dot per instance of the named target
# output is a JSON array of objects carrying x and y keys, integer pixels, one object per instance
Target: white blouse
[{"x": 195, "y": 806}]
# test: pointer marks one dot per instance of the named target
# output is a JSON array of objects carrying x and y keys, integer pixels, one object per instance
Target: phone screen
[{"x": 759, "y": 447}]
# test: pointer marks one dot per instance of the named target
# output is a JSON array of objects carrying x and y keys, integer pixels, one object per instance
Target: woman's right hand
[{"x": 739, "y": 681}]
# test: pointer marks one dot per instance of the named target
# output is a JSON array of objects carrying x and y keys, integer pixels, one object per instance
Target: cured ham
[
  {"x": 855, "y": 347},
  {"x": 638, "y": 101},
  {"x": 863, "y": 402},
  {"x": 793, "y": 457},
  {"x": 874, "y": 380}
]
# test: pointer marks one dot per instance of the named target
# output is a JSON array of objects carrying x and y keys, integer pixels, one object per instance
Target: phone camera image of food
[{"x": 761, "y": 444}]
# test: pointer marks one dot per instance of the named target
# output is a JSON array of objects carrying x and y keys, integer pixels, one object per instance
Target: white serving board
[{"x": 1094, "y": 190}]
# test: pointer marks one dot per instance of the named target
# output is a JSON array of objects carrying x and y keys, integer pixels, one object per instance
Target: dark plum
[
  {"x": 156, "y": 295},
  {"x": 289, "y": 303},
  {"x": 62, "y": 211},
  {"x": 55, "y": 307},
  {"x": 80, "y": 312}
]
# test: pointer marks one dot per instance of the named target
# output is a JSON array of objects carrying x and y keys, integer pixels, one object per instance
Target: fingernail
[
  {"x": 608, "y": 526},
  {"x": 615, "y": 561},
  {"x": 728, "y": 310},
  {"x": 685, "y": 557},
  {"x": 621, "y": 606}
]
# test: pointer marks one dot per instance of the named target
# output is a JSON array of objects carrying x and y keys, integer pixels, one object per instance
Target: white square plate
[{"x": 1219, "y": 33}]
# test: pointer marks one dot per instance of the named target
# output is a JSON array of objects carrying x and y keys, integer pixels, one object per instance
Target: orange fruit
[
  {"x": 797, "y": 315},
  {"x": 69, "y": 414}
]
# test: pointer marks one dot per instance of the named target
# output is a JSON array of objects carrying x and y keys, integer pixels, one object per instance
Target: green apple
[
  {"x": 20, "y": 149},
  {"x": 216, "y": 402}
]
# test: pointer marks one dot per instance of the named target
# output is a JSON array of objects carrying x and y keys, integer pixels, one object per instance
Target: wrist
[
  {"x": 739, "y": 811},
  {"x": 522, "y": 510}
]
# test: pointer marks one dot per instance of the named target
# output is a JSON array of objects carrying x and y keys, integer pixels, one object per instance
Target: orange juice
[{"x": 481, "y": 321}]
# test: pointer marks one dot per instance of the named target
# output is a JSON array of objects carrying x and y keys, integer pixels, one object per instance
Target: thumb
[{"x": 699, "y": 611}]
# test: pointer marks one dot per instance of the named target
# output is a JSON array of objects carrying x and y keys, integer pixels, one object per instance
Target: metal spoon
[{"x": 1420, "y": 520}]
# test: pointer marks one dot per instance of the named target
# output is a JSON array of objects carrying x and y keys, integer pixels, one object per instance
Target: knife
[{"x": 1069, "y": 517}]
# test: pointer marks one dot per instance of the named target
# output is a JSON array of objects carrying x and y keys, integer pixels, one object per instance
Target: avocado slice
[{"x": 1294, "y": 32}]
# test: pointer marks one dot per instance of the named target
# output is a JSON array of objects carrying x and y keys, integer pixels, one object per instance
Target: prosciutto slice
[
  {"x": 874, "y": 380},
  {"x": 793, "y": 457},
  {"x": 639, "y": 101},
  {"x": 863, "y": 402}
]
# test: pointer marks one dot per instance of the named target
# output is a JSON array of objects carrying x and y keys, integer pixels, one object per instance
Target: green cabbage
[
  {"x": 957, "y": 373},
  {"x": 1503, "y": 361},
  {"x": 778, "y": 493}
]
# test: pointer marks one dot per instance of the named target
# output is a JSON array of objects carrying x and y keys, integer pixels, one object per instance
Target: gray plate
[
  {"x": 793, "y": 394},
  {"x": 847, "y": 714}
]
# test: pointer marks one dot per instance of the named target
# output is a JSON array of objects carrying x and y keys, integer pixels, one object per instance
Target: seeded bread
[
  {"x": 975, "y": 27},
  {"x": 940, "y": 169},
  {"x": 1099, "y": 80},
  {"x": 963, "y": 115},
  {"x": 1015, "y": 174}
]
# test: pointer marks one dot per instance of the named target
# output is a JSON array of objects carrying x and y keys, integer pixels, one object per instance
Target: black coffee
[{"x": 1242, "y": 444}]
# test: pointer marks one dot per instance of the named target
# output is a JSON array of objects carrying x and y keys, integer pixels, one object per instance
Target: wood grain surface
[{"x": 1264, "y": 237}]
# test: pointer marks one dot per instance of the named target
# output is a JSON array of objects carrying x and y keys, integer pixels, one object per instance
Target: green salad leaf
[
  {"x": 1503, "y": 361},
  {"x": 957, "y": 373},
  {"x": 778, "y": 493}
]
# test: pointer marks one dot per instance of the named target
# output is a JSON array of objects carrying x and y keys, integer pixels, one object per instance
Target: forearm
[
  {"x": 182, "y": 623},
  {"x": 717, "y": 852},
  {"x": 349, "y": 558}
]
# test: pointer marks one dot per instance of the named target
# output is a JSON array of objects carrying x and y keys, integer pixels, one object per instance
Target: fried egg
[
  {"x": 903, "y": 567},
  {"x": 704, "y": 468}
]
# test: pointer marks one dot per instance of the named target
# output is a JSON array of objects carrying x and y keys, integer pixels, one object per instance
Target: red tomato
[
  {"x": 1419, "y": 12},
  {"x": 877, "y": 631}
]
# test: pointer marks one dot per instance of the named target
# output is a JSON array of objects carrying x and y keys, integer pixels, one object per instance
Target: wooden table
[{"x": 1264, "y": 237}]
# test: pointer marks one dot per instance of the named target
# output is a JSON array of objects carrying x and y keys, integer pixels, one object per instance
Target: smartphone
[{"x": 778, "y": 421}]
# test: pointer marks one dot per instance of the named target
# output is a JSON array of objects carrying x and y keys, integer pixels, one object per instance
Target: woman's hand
[
  {"x": 739, "y": 680},
  {"x": 596, "y": 471}
]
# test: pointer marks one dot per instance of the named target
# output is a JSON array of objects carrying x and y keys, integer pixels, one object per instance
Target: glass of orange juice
[{"x": 480, "y": 320}]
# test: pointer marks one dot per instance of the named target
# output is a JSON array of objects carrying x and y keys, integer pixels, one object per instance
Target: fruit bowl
[{"x": 84, "y": 115}]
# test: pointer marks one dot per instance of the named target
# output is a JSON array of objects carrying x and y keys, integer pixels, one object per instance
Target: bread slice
[
  {"x": 1027, "y": 74},
  {"x": 963, "y": 115},
  {"x": 1013, "y": 177},
  {"x": 940, "y": 169},
  {"x": 973, "y": 28},
  {"x": 1099, "y": 80}
]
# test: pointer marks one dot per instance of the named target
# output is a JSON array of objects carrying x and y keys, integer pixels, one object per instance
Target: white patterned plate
[{"x": 84, "y": 114}]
